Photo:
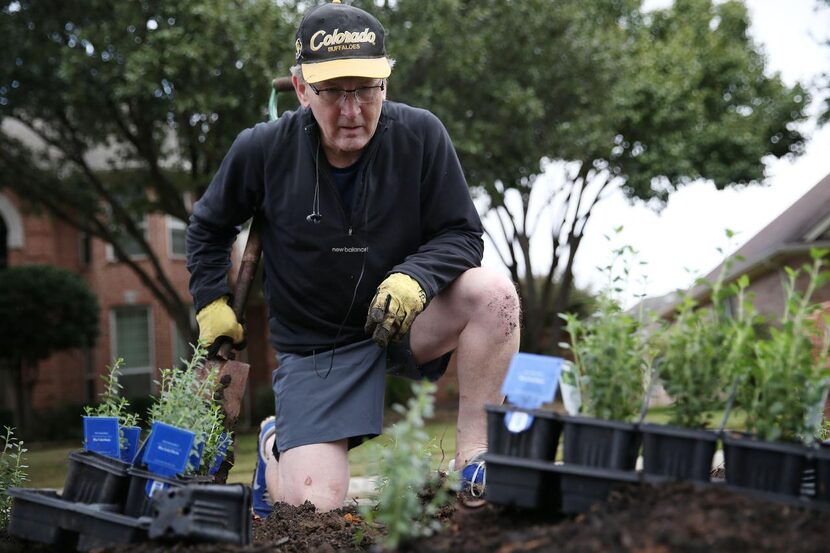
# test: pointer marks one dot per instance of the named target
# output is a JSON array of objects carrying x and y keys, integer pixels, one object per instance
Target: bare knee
[
  {"x": 318, "y": 473},
  {"x": 494, "y": 300}
]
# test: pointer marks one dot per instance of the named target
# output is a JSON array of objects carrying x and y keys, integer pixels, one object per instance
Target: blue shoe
[
  {"x": 261, "y": 501},
  {"x": 473, "y": 477}
]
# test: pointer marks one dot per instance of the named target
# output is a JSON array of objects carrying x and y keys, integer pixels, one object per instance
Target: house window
[
  {"x": 130, "y": 245},
  {"x": 176, "y": 229},
  {"x": 132, "y": 341}
]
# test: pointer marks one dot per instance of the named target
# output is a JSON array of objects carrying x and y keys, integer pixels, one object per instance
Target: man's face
[{"x": 346, "y": 126}]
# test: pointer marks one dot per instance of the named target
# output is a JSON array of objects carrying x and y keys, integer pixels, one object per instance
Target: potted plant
[
  {"x": 99, "y": 417},
  {"x": 98, "y": 473},
  {"x": 611, "y": 359},
  {"x": 783, "y": 393},
  {"x": 186, "y": 436},
  {"x": 700, "y": 352},
  {"x": 522, "y": 439}
]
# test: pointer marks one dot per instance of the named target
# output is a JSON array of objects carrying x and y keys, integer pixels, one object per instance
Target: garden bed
[{"x": 667, "y": 518}]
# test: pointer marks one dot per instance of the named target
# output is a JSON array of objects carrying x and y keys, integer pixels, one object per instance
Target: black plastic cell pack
[
  {"x": 676, "y": 453},
  {"x": 95, "y": 478},
  {"x": 43, "y": 516},
  {"x": 203, "y": 513}
]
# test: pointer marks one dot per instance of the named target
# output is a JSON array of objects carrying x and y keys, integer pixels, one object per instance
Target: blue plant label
[
  {"x": 168, "y": 449},
  {"x": 531, "y": 379},
  {"x": 221, "y": 451},
  {"x": 196, "y": 454},
  {"x": 154, "y": 486},
  {"x": 132, "y": 434},
  {"x": 101, "y": 436}
]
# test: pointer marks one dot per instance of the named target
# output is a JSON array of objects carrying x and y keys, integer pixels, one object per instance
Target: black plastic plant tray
[
  {"x": 678, "y": 453},
  {"x": 772, "y": 467},
  {"x": 539, "y": 441},
  {"x": 582, "y": 486},
  {"x": 525, "y": 483},
  {"x": 204, "y": 512},
  {"x": 95, "y": 478},
  {"x": 138, "y": 503},
  {"x": 600, "y": 443},
  {"x": 43, "y": 516}
]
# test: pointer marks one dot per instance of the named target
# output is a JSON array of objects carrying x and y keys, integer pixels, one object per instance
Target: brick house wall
[{"x": 72, "y": 377}]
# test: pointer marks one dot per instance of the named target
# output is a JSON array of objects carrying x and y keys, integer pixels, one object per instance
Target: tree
[
  {"x": 162, "y": 88},
  {"x": 43, "y": 309},
  {"x": 824, "y": 117},
  {"x": 617, "y": 97}
]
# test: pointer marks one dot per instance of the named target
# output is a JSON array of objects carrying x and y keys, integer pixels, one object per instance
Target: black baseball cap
[{"x": 337, "y": 40}]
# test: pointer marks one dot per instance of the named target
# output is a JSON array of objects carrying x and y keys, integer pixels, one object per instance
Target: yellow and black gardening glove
[
  {"x": 218, "y": 324},
  {"x": 397, "y": 302}
]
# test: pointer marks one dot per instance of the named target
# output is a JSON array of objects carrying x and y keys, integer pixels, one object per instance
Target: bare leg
[
  {"x": 478, "y": 316},
  {"x": 318, "y": 473}
]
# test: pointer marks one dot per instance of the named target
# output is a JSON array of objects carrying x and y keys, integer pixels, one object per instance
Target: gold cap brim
[{"x": 372, "y": 68}]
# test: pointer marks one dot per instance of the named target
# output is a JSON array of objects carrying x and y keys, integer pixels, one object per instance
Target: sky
[{"x": 681, "y": 242}]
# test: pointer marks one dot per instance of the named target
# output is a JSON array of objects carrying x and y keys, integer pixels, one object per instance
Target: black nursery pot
[
  {"x": 525, "y": 483},
  {"x": 539, "y": 441},
  {"x": 600, "y": 443},
  {"x": 582, "y": 486},
  {"x": 96, "y": 478},
  {"x": 822, "y": 466},
  {"x": 677, "y": 453},
  {"x": 770, "y": 467}
]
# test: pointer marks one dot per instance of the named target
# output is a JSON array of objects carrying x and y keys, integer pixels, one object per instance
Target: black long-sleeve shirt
[{"x": 411, "y": 213}]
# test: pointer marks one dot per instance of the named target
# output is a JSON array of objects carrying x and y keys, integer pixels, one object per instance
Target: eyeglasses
[{"x": 363, "y": 94}]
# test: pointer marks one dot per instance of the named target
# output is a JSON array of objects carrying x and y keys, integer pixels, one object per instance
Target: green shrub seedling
[
  {"x": 187, "y": 400},
  {"x": 112, "y": 403},
  {"x": 12, "y": 473},
  {"x": 405, "y": 475}
]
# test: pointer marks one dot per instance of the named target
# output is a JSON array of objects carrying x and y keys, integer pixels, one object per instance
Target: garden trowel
[{"x": 233, "y": 374}]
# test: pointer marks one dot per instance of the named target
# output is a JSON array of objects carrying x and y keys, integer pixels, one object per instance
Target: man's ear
[{"x": 302, "y": 90}]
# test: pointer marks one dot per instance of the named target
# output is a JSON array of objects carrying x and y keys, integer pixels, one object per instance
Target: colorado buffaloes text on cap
[{"x": 336, "y": 40}]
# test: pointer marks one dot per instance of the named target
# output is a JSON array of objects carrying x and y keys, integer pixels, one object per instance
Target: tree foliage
[
  {"x": 113, "y": 110},
  {"x": 647, "y": 102},
  {"x": 43, "y": 309},
  {"x": 619, "y": 98}
]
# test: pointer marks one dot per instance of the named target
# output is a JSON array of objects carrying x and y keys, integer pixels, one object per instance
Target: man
[{"x": 372, "y": 249}]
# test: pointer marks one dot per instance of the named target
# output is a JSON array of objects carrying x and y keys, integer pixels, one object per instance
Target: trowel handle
[{"x": 245, "y": 277}]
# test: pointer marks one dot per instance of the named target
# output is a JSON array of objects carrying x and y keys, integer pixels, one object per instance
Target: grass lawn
[{"x": 48, "y": 462}]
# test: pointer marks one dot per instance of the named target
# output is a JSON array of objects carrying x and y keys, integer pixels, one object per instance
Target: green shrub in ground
[
  {"x": 409, "y": 492},
  {"x": 783, "y": 392},
  {"x": 112, "y": 403},
  {"x": 12, "y": 473},
  {"x": 187, "y": 400}
]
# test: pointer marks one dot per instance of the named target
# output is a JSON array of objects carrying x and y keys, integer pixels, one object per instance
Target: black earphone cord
[{"x": 315, "y": 217}]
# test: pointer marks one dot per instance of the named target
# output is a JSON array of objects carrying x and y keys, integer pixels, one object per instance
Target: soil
[{"x": 662, "y": 519}]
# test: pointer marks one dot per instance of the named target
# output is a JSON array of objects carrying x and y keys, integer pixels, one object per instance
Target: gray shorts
[{"x": 321, "y": 400}]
